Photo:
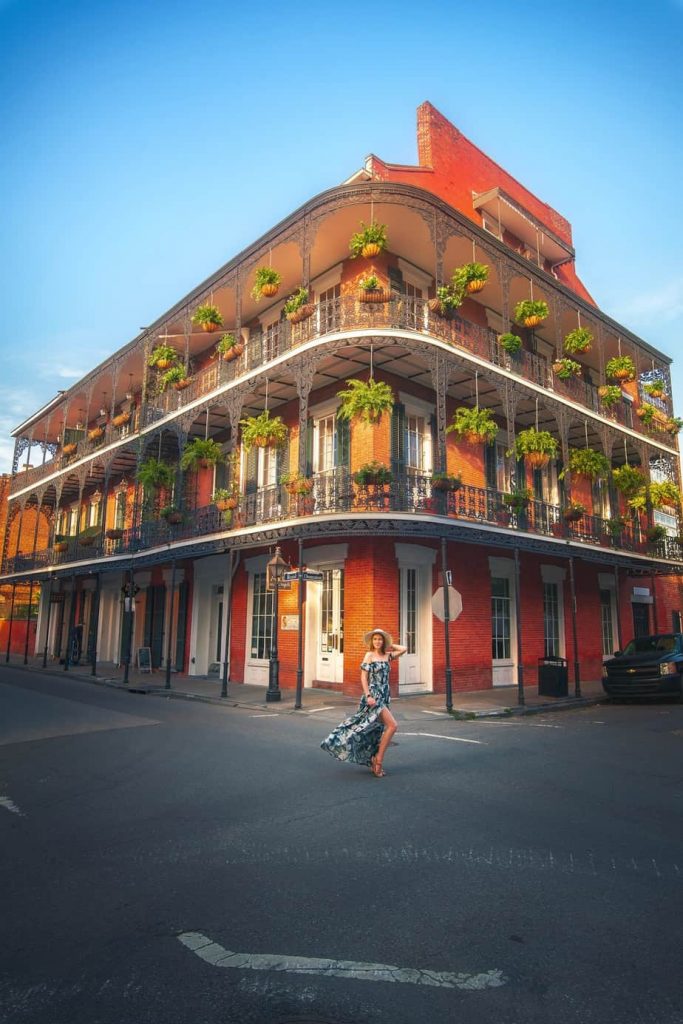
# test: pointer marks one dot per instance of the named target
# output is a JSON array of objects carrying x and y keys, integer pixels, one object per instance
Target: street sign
[
  {"x": 454, "y": 604},
  {"x": 308, "y": 575}
]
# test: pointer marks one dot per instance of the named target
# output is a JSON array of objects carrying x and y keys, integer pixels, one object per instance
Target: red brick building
[{"x": 560, "y": 529}]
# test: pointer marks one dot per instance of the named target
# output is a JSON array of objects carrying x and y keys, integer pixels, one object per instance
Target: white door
[
  {"x": 503, "y": 639},
  {"x": 330, "y": 639},
  {"x": 215, "y": 630},
  {"x": 409, "y": 631}
]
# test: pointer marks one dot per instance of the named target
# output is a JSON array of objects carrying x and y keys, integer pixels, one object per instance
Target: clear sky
[{"x": 143, "y": 144}]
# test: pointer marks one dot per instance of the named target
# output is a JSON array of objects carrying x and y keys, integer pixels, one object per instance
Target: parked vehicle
[{"x": 649, "y": 666}]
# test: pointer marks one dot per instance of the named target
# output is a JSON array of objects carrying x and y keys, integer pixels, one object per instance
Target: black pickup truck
[{"x": 649, "y": 666}]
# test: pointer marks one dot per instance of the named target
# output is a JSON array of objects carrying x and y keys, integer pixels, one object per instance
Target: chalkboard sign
[{"x": 145, "y": 659}]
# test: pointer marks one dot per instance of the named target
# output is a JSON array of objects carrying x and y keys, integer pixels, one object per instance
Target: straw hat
[{"x": 367, "y": 639}]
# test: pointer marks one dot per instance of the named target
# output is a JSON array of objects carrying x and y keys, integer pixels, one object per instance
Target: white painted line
[
  {"x": 442, "y": 714},
  {"x": 10, "y": 805},
  {"x": 544, "y": 725},
  {"x": 438, "y": 736},
  {"x": 312, "y": 711},
  {"x": 266, "y": 714},
  {"x": 217, "y": 956}
]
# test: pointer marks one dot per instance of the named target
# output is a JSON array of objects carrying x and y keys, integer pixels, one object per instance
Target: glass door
[{"x": 330, "y": 653}]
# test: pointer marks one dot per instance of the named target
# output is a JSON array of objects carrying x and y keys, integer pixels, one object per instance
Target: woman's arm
[{"x": 396, "y": 650}]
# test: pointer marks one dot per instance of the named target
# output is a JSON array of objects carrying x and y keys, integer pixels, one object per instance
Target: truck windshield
[{"x": 651, "y": 645}]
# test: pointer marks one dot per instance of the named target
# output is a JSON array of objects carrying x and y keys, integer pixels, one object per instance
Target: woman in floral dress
[{"x": 364, "y": 737}]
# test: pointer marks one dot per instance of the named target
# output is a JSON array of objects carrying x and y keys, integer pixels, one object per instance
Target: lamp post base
[{"x": 273, "y": 695}]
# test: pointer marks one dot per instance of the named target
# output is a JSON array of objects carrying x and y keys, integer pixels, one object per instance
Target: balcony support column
[
  {"x": 439, "y": 372},
  {"x": 305, "y": 372},
  {"x": 511, "y": 398},
  {"x": 575, "y": 640},
  {"x": 504, "y": 275}
]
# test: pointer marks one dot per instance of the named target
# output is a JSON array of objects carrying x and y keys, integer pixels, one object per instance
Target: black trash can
[{"x": 552, "y": 677}]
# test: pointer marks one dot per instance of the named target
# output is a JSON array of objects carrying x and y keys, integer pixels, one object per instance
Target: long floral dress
[{"x": 357, "y": 738}]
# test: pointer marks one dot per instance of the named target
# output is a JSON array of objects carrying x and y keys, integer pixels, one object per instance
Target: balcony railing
[
  {"x": 335, "y": 492},
  {"x": 347, "y": 314}
]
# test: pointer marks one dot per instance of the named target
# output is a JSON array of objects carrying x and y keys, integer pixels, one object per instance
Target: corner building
[{"x": 534, "y": 582}]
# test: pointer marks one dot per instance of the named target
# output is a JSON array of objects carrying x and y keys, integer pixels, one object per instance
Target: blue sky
[{"x": 143, "y": 144}]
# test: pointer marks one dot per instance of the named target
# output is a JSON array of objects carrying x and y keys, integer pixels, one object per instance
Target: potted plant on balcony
[
  {"x": 531, "y": 312},
  {"x": 471, "y": 277},
  {"x": 628, "y": 480},
  {"x": 665, "y": 492},
  {"x": 69, "y": 448},
  {"x": 370, "y": 290},
  {"x": 445, "y": 482},
  {"x": 655, "y": 534},
  {"x": 297, "y": 307},
  {"x": 172, "y": 515},
  {"x": 229, "y": 347},
  {"x": 177, "y": 378},
  {"x": 537, "y": 447},
  {"x": 517, "y": 500},
  {"x": 155, "y": 473},
  {"x": 446, "y": 300},
  {"x": 201, "y": 453},
  {"x": 88, "y": 536},
  {"x": 207, "y": 317},
  {"x": 373, "y": 473},
  {"x": 574, "y": 511},
  {"x": 121, "y": 419},
  {"x": 474, "y": 425},
  {"x": 673, "y": 424},
  {"x": 613, "y": 529},
  {"x": 114, "y": 533},
  {"x": 370, "y": 241},
  {"x": 263, "y": 431},
  {"x": 163, "y": 357},
  {"x": 295, "y": 483},
  {"x": 654, "y": 388},
  {"x": 646, "y": 413},
  {"x": 587, "y": 462},
  {"x": 96, "y": 434},
  {"x": 510, "y": 343},
  {"x": 577, "y": 341},
  {"x": 566, "y": 368},
  {"x": 266, "y": 283},
  {"x": 620, "y": 368},
  {"x": 366, "y": 400},
  {"x": 225, "y": 498},
  {"x": 610, "y": 394},
  {"x": 61, "y": 543}
]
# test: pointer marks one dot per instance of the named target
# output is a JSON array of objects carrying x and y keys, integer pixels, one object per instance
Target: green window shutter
[
  {"x": 398, "y": 438},
  {"x": 251, "y": 474},
  {"x": 435, "y": 446},
  {"x": 342, "y": 442},
  {"x": 396, "y": 280},
  {"x": 282, "y": 460},
  {"x": 181, "y": 629},
  {"x": 490, "y": 466},
  {"x": 309, "y": 446},
  {"x": 520, "y": 473},
  {"x": 537, "y": 478}
]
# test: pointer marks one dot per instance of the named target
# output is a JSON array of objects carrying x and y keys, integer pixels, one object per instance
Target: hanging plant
[
  {"x": 517, "y": 499},
  {"x": 228, "y": 347},
  {"x": 665, "y": 493},
  {"x": 295, "y": 483},
  {"x": 96, "y": 434},
  {"x": 370, "y": 290},
  {"x": 628, "y": 480},
  {"x": 263, "y": 432},
  {"x": 172, "y": 515},
  {"x": 511, "y": 343},
  {"x": 538, "y": 447},
  {"x": 163, "y": 357},
  {"x": 155, "y": 473},
  {"x": 574, "y": 511},
  {"x": 121, "y": 419},
  {"x": 373, "y": 473},
  {"x": 475, "y": 425},
  {"x": 225, "y": 498},
  {"x": 61, "y": 543},
  {"x": 86, "y": 538},
  {"x": 69, "y": 448},
  {"x": 366, "y": 400},
  {"x": 201, "y": 453},
  {"x": 266, "y": 283},
  {"x": 531, "y": 312},
  {"x": 566, "y": 368},
  {"x": 207, "y": 317},
  {"x": 297, "y": 307},
  {"x": 620, "y": 368},
  {"x": 578, "y": 340},
  {"x": 616, "y": 526},
  {"x": 654, "y": 388},
  {"x": 446, "y": 300},
  {"x": 646, "y": 413},
  {"x": 471, "y": 277},
  {"x": 370, "y": 241},
  {"x": 587, "y": 462},
  {"x": 610, "y": 394},
  {"x": 177, "y": 377},
  {"x": 673, "y": 424},
  {"x": 656, "y": 533},
  {"x": 445, "y": 482},
  {"x": 114, "y": 533}
]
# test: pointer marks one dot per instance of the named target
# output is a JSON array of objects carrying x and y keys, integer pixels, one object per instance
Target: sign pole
[
  {"x": 446, "y": 620},
  {"x": 300, "y": 638}
]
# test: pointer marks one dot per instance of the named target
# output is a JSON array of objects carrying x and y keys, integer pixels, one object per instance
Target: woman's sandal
[{"x": 376, "y": 768}]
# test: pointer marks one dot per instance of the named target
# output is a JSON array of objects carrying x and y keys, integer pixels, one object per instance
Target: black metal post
[
  {"x": 167, "y": 684},
  {"x": 28, "y": 620},
  {"x": 273, "y": 692},
  {"x": 300, "y": 638},
  {"x": 70, "y": 624},
  {"x": 47, "y": 624},
  {"x": 228, "y": 618},
  {"x": 618, "y": 604},
  {"x": 446, "y": 624},
  {"x": 575, "y": 641},
  {"x": 518, "y": 628},
  {"x": 654, "y": 602},
  {"x": 11, "y": 620},
  {"x": 95, "y": 623},
  {"x": 129, "y": 612}
]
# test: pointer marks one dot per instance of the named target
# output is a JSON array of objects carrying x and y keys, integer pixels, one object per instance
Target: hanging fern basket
[
  {"x": 537, "y": 460},
  {"x": 374, "y": 295},
  {"x": 268, "y": 290},
  {"x": 474, "y": 286},
  {"x": 302, "y": 313},
  {"x": 532, "y": 321},
  {"x": 370, "y": 250}
]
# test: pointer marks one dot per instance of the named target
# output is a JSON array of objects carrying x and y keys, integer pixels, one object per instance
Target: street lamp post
[{"x": 274, "y": 571}]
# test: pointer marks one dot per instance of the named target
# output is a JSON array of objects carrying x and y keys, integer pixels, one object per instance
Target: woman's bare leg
[{"x": 390, "y": 727}]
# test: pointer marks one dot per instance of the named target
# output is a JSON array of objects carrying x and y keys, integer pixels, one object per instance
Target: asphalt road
[{"x": 511, "y": 872}]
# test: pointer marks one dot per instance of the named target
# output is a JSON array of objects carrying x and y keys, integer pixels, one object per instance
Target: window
[
  {"x": 271, "y": 338},
  {"x": 267, "y": 467},
  {"x": 418, "y": 445},
  {"x": 120, "y": 511},
  {"x": 329, "y": 309},
  {"x": 606, "y": 626},
  {"x": 500, "y": 618},
  {"x": 409, "y": 630},
  {"x": 261, "y": 617},
  {"x": 665, "y": 519},
  {"x": 324, "y": 444},
  {"x": 551, "y": 620}
]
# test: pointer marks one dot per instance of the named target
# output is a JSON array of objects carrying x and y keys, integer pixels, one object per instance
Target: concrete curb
[{"x": 527, "y": 709}]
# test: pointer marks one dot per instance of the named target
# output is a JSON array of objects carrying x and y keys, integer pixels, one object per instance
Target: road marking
[
  {"x": 544, "y": 725},
  {"x": 444, "y": 714},
  {"x": 266, "y": 714},
  {"x": 313, "y": 711},
  {"x": 438, "y": 736},
  {"x": 217, "y": 956},
  {"x": 10, "y": 805}
]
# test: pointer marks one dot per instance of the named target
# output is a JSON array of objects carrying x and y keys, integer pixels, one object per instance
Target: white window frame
[{"x": 425, "y": 410}]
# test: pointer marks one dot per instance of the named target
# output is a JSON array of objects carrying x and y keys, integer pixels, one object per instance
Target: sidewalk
[{"x": 500, "y": 702}]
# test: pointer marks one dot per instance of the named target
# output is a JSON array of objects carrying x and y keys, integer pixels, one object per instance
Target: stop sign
[{"x": 454, "y": 604}]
